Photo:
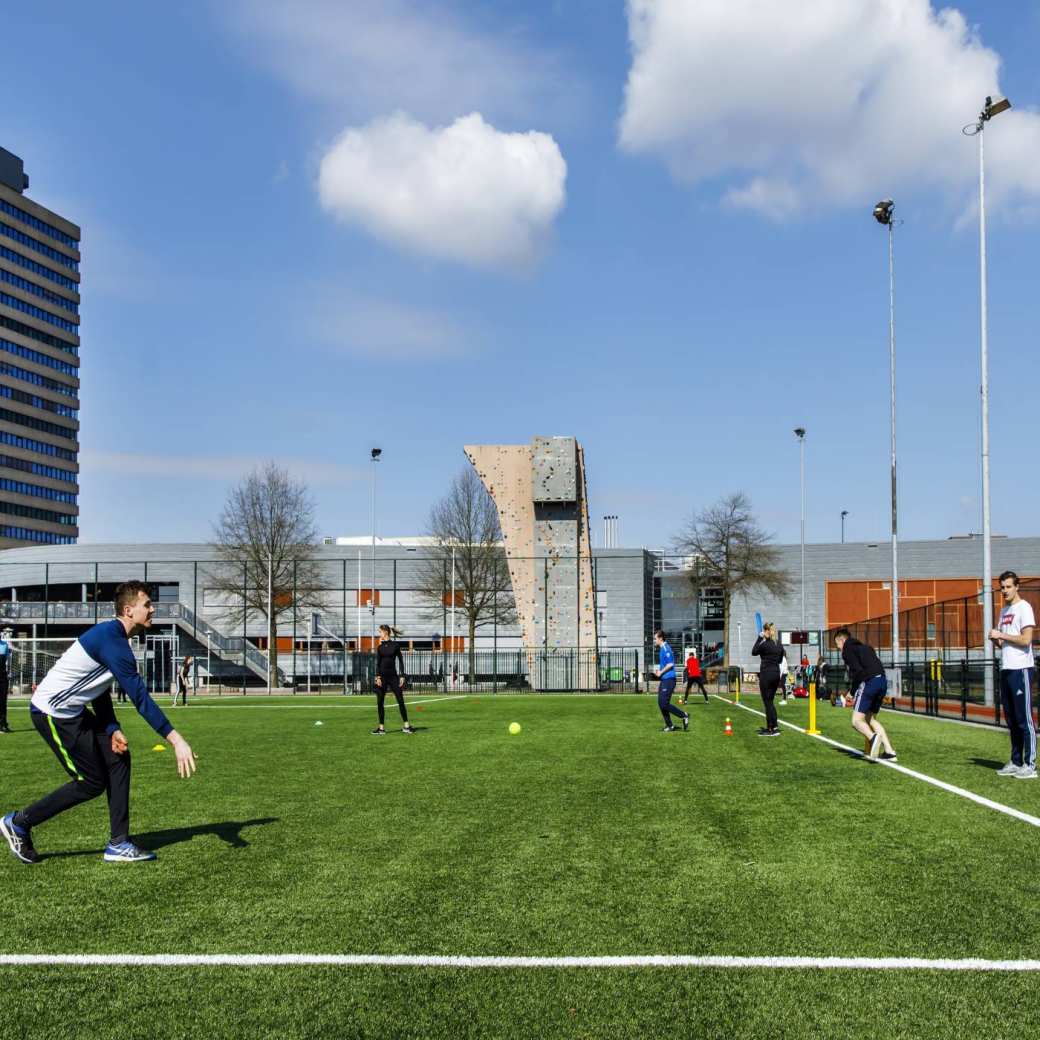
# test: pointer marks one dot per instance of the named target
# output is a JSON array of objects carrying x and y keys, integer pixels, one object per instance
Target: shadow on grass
[
  {"x": 854, "y": 755},
  {"x": 229, "y": 831},
  {"x": 986, "y": 763}
]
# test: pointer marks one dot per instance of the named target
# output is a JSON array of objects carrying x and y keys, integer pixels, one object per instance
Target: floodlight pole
[
  {"x": 989, "y": 110},
  {"x": 892, "y": 409},
  {"x": 800, "y": 434},
  {"x": 844, "y": 513},
  {"x": 376, "y": 452}
]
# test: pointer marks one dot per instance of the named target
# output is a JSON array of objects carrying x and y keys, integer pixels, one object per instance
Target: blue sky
[{"x": 704, "y": 278}]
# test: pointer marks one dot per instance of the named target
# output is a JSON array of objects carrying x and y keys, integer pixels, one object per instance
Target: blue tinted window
[
  {"x": 37, "y": 290},
  {"x": 44, "y": 337},
  {"x": 40, "y": 225},
  {"x": 40, "y": 247},
  {"x": 31, "y": 265},
  {"x": 41, "y": 359},
  {"x": 38, "y": 312}
]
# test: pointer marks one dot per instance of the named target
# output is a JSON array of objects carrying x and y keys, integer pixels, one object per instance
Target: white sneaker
[
  {"x": 1009, "y": 770},
  {"x": 875, "y": 747},
  {"x": 1026, "y": 773}
]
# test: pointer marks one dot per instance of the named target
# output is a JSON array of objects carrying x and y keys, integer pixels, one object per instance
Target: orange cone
[{"x": 728, "y": 731}]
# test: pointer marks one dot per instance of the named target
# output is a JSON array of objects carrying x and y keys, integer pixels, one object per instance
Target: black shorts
[{"x": 390, "y": 684}]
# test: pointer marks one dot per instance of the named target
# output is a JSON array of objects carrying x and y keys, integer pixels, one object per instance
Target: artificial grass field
[{"x": 590, "y": 833}]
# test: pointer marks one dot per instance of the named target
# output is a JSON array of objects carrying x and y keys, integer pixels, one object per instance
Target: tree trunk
[{"x": 472, "y": 650}]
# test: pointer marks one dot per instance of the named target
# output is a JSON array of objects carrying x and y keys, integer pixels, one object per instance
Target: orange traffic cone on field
[{"x": 728, "y": 731}]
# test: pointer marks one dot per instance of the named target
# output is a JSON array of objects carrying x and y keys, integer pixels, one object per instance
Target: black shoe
[
  {"x": 4, "y": 728},
  {"x": 668, "y": 729},
  {"x": 762, "y": 731},
  {"x": 686, "y": 723},
  {"x": 407, "y": 728},
  {"x": 19, "y": 839},
  {"x": 380, "y": 732},
  {"x": 886, "y": 757},
  {"x": 772, "y": 733}
]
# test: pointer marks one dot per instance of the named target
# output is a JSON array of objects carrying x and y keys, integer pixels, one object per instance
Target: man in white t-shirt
[{"x": 1014, "y": 637}]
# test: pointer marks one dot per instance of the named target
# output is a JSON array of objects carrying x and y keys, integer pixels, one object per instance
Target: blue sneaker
[
  {"x": 19, "y": 840},
  {"x": 127, "y": 852}
]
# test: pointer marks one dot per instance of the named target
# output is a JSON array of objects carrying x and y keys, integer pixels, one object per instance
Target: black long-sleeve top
[
  {"x": 861, "y": 661},
  {"x": 771, "y": 653},
  {"x": 388, "y": 657}
]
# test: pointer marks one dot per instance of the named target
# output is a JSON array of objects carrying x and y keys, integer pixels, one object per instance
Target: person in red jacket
[{"x": 693, "y": 676}]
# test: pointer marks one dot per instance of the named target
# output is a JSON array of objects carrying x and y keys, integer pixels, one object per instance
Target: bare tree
[
  {"x": 266, "y": 532},
  {"x": 469, "y": 546},
  {"x": 731, "y": 552}
]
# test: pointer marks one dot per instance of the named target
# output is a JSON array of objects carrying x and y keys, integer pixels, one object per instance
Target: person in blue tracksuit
[
  {"x": 665, "y": 672},
  {"x": 72, "y": 711}
]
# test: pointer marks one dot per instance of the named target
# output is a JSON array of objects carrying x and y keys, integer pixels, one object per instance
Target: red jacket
[{"x": 693, "y": 667}]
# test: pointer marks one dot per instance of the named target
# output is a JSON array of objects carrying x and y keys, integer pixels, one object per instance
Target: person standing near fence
[
  {"x": 182, "y": 680},
  {"x": 785, "y": 669},
  {"x": 694, "y": 677},
  {"x": 72, "y": 711},
  {"x": 1014, "y": 637},
  {"x": 667, "y": 678},
  {"x": 820, "y": 676},
  {"x": 5, "y": 656},
  {"x": 389, "y": 679},
  {"x": 869, "y": 684},
  {"x": 769, "y": 651}
]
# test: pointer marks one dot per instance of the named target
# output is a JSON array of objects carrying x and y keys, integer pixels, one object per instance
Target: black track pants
[
  {"x": 86, "y": 754},
  {"x": 767, "y": 685}
]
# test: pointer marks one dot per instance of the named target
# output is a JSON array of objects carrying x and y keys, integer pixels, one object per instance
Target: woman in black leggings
[
  {"x": 768, "y": 648},
  {"x": 389, "y": 679}
]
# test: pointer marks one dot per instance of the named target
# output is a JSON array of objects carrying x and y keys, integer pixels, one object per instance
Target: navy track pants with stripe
[{"x": 1016, "y": 699}]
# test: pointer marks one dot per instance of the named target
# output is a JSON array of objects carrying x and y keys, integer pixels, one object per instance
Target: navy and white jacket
[{"x": 84, "y": 674}]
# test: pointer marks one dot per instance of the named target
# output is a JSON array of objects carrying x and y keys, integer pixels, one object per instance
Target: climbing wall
[{"x": 540, "y": 494}]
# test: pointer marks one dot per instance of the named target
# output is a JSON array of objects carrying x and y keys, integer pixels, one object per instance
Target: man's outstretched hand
[{"x": 185, "y": 756}]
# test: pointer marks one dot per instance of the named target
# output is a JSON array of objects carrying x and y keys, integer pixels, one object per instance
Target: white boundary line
[
  {"x": 321, "y": 707},
  {"x": 404, "y": 960},
  {"x": 941, "y": 784}
]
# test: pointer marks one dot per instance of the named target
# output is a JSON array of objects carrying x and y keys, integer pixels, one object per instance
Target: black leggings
[
  {"x": 391, "y": 684},
  {"x": 767, "y": 685}
]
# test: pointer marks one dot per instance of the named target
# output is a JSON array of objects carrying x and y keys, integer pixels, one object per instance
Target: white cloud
[
  {"x": 381, "y": 329},
  {"x": 465, "y": 192},
  {"x": 374, "y": 56},
  {"x": 212, "y": 467},
  {"x": 823, "y": 102}
]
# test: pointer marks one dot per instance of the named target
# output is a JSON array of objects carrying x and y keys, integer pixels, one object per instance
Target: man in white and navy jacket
[{"x": 72, "y": 710}]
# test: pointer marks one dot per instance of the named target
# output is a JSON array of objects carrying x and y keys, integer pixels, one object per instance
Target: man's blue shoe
[
  {"x": 127, "y": 852},
  {"x": 19, "y": 840}
]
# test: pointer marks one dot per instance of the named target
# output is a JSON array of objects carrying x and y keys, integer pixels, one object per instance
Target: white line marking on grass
[
  {"x": 405, "y": 960},
  {"x": 321, "y": 707},
  {"x": 941, "y": 784}
]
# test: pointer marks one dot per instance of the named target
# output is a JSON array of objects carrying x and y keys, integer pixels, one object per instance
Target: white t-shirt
[{"x": 1013, "y": 619}]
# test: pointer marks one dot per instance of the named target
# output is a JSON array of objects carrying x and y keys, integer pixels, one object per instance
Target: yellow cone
[{"x": 159, "y": 747}]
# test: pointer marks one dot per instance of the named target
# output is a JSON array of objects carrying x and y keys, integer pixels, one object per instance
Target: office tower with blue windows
[{"x": 39, "y": 367}]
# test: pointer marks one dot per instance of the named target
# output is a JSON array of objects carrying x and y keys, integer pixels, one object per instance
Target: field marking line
[
  {"x": 321, "y": 707},
  {"x": 924, "y": 777},
  {"x": 256, "y": 960}
]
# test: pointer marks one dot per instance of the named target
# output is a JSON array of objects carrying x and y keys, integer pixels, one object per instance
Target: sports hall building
[{"x": 52, "y": 593}]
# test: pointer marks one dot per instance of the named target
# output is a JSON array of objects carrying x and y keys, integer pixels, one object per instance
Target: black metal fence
[{"x": 559, "y": 670}]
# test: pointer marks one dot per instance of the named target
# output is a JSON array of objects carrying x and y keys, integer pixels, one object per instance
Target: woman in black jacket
[{"x": 768, "y": 648}]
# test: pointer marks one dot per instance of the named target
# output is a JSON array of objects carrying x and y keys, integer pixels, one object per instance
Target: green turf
[{"x": 590, "y": 833}]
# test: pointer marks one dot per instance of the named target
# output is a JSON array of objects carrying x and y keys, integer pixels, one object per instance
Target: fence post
[
  {"x": 46, "y": 598},
  {"x": 964, "y": 689},
  {"x": 293, "y": 628},
  {"x": 245, "y": 612},
  {"x": 343, "y": 631}
]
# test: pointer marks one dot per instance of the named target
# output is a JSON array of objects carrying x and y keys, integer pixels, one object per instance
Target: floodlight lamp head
[
  {"x": 844, "y": 512},
  {"x": 799, "y": 432},
  {"x": 883, "y": 211},
  {"x": 376, "y": 452},
  {"x": 995, "y": 107}
]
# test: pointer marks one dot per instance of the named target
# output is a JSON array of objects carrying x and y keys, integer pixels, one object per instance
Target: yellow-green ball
[{"x": 514, "y": 728}]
